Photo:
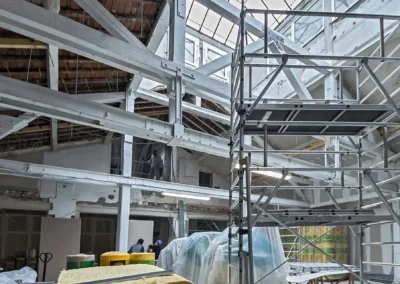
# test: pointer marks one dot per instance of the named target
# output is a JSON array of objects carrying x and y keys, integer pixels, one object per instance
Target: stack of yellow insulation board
[
  {"x": 106, "y": 272},
  {"x": 334, "y": 243}
]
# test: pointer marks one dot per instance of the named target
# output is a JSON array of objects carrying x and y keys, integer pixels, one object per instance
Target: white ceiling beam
[
  {"x": 67, "y": 145},
  {"x": 37, "y": 171},
  {"x": 52, "y": 79},
  {"x": 111, "y": 24},
  {"x": 187, "y": 107},
  {"x": 159, "y": 30},
  {"x": 10, "y": 124},
  {"x": 103, "y": 98},
  {"x": 33, "y": 21},
  {"x": 42, "y": 101}
]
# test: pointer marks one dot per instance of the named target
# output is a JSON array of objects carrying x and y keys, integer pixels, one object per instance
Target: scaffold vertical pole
[
  {"x": 241, "y": 112},
  {"x": 231, "y": 153},
  {"x": 360, "y": 204}
]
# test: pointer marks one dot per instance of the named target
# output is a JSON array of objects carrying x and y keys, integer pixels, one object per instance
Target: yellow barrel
[
  {"x": 143, "y": 258},
  {"x": 114, "y": 258}
]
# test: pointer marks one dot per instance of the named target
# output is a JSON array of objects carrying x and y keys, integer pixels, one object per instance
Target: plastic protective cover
[
  {"x": 268, "y": 254},
  {"x": 169, "y": 254},
  {"x": 190, "y": 258},
  {"x": 26, "y": 274}
]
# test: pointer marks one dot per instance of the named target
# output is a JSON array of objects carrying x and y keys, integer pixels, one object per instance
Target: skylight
[{"x": 213, "y": 25}]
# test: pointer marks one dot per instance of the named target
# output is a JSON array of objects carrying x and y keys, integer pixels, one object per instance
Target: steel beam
[
  {"x": 10, "y": 124},
  {"x": 109, "y": 22},
  {"x": 159, "y": 30},
  {"x": 293, "y": 77},
  {"x": 52, "y": 80},
  {"x": 43, "y": 101},
  {"x": 37, "y": 171},
  {"x": 188, "y": 107},
  {"x": 32, "y": 21}
]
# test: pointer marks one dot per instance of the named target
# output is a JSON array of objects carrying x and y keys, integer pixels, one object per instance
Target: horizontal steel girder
[
  {"x": 22, "y": 169},
  {"x": 33, "y": 21},
  {"x": 42, "y": 101}
]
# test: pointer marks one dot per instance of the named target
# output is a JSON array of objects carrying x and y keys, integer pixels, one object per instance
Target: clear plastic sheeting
[
  {"x": 190, "y": 258},
  {"x": 168, "y": 256},
  {"x": 24, "y": 275},
  {"x": 268, "y": 254}
]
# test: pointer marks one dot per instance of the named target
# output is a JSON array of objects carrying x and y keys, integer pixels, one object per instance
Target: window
[
  {"x": 189, "y": 51},
  {"x": 211, "y": 53},
  {"x": 205, "y": 179}
]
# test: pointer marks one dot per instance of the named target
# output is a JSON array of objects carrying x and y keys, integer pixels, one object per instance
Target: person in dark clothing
[
  {"x": 156, "y": 248},
  {"x": 138, "y": 247}
]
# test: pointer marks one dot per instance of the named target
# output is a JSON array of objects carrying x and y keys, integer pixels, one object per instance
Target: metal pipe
[
  {"x": 367, "y": 175},
  {"x": 304, "y": 101},
  {"x": 249, "y": 224},
  {"x": 382, "y": 37},
  {"x": 360, "y": 206},
  {"x": 265, "y": 146},
  {"x": 265, "y": 33},
  {"x": 292, "y": 66},
  {"x": 308, "y": 242},
  {"x": 271, "y": 80},
  {"x": 271, "y": 195},
  {"x": 322, "y": 57},
  {"x": 358, "y": 94},
  {"x": 308, "y": 152},
  {"x": 381, "y": 243},
  {"x": 250, "y": 82},
  {"x": 311, "y": 169},
  {"x": 241, "y": 140},
  {"x": 382, "y": 263},
  {"x": 321, "y": 123},
  {"x": 391, "y": 137},
  {"x": 323, "y": 14},
  {"x": 381, "y": 88},
  {"x": 297, "y": 253},
  {"x": 385, "y": 148},
  {"x": 301, "y": 187},
  {"x": 332, "y": 198},
  {"x": 379, "y": 203}
]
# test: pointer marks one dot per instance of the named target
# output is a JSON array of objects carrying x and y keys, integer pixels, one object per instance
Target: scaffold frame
[{"x": 243, "y": 104}]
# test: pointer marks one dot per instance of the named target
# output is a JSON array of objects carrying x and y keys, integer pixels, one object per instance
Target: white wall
[
  {"x": 21, "y": 183},
  {"x": 139, "y": 229},
  {"x": 188, "y": 171}
]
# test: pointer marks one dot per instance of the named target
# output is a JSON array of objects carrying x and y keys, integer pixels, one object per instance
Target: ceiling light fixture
[
  {"x": 206, "y": 198},
  {"x": 268, "y": 173}
]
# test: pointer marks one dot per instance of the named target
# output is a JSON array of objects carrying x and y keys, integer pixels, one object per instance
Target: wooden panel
[{"x": 61, "y": 237}]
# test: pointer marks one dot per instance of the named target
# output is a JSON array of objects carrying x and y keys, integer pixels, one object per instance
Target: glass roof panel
[{"x": 211, "y": 24}]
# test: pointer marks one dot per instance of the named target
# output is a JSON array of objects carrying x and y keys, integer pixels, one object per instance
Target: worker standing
[
  {"x": 156, "y": 248},
  {"x": 137, "y": 248},
  {"x": 156, "y": 166}
]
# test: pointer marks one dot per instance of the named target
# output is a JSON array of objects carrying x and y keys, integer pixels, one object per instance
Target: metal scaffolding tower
[{"x": 337, "y": 117}]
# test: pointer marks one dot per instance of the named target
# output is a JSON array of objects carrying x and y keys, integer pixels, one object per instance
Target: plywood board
[
  {"x": 61, "y": 237},
  {"x": 139, "y": 229}
]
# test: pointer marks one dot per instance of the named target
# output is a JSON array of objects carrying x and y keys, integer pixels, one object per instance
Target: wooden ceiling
[{"x": 25, "y": 59}]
